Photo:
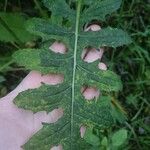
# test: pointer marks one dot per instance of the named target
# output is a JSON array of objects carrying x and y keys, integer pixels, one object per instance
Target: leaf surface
[
  {"x": 99, "y": 9},
  {"x": 119, "y": 137},
  {"x": 77, "y": 73}
]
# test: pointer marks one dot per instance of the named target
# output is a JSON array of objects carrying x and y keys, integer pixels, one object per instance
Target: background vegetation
[{"x": 132, "y": 63}]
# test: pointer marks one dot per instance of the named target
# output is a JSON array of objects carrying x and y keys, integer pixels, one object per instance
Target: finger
[
  {"x": 90, "y": 93},
  {"x": 34, "y": 80},
  {"x": 93, "y": 27},
  {"x": 92, "y": 54},
  {"x": 51, "y": 117}
]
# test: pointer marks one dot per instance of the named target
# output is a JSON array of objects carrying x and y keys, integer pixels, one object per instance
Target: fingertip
[
  {"x": 90, "y": 55},
  {"x": 31, "y": 81},
  {"x": 93, "y": 27},
  {"x": 90, "y": 93},
  {"x": 52, "y": 79},
  {"x": 58, "y": 47}
]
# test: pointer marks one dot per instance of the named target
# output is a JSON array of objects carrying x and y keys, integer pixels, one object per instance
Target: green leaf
[
  {"x": 46, "y": 61},
  {"x": 77, "y": 73},
  {"x": 104, "y": 141},
  {"x": 105, "y": 37},
  {"x": 91, "y": 138},
  {"x": 99, "y": 9},
  {"x": 12, "y": 28},
  {"x": 118, "y": 111},
  {"x": 60, "y": 8},
  {"x": 49, "y": 31},
  {"x": 119, "y": 138}
]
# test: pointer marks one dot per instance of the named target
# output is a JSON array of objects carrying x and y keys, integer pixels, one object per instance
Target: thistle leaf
[
  {"x": 77, "y": 73},
  {"x": 60, "y": 8},
  {"x": 99, "y": 9}
]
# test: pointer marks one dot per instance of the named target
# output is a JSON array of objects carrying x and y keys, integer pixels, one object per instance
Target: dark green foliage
[
  {"x": 114, "y": 141},
  {"x": 12, "y": 28},
  {"x": 77, "y": 111}
]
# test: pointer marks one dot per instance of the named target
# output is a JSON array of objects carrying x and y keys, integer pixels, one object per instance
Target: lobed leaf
[
  {"x": 106, "y": 37},
  {"x": 99, "y": 9},
  {"x": 60, "y": 8},
  {"x": 77, "y": 73}
]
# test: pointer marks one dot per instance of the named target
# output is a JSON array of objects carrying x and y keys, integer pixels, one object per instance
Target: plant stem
[
  {"x": 43, "y": 14},
  {"x": 74, "y": 65},
  {"x": 134, "y": 134},
  {"x": 15, "y": 45},
  {"x": 5, "y": 5},
  {"x": 138, "y": 113},
  {"x": 69, "y": 2},
  {"x": 6, "y": 65}
]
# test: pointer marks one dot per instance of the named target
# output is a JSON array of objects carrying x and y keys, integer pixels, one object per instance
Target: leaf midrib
[{"x": 74, "y": 67}]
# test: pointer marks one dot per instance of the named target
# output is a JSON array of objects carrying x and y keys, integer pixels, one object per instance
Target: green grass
[{"x": 132, "y": 63}]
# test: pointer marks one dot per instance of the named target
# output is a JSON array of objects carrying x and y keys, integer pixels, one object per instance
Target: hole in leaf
[
  {"x": 92, "y": 26},
  {"x": 43, "y": 117},
  {"x": 90, "y": 93},
  {"x": 82, "y": 131},
  {"x": 34, "y": 80},
  {"x": 58, "y": 47},
  {"x": 102, "y": 66},
  {"x": 30, "y": 44},
  {"x": 52, "y": 79},
  {"x": 59, "y": 147},
  {"x": 55, "y": 115},
  {"x": 31, "y": 81},
  {"x": 92, "y": 54}
]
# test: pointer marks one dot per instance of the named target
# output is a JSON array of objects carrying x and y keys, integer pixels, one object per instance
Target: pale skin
[{"x": 18, "y": 125}]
